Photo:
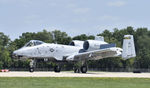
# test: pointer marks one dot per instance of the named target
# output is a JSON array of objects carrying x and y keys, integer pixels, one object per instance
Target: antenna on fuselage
[{"x": 54, "y": 37}]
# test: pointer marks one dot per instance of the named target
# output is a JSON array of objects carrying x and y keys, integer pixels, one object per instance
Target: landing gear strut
[
  {"x": 82, "y": 68},
  {"x": 32, "y": 65},
  {"x": 76, "y": 70}
]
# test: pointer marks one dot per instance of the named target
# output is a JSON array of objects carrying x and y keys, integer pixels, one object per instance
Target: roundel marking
[{"x": 51, "y": 49}]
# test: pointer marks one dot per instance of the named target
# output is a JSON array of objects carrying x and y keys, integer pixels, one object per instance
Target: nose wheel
[
  {"x": 57, "y": 68},
  {"x": 31, "y": 69}
]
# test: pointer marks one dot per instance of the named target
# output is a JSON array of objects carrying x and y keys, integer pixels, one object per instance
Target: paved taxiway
[{"x": 71, "y": 74}]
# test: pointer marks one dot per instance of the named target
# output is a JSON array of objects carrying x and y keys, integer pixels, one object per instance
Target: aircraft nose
[
  {"x": 14, "y": 54},
  {"x": 17, "y": 54}
]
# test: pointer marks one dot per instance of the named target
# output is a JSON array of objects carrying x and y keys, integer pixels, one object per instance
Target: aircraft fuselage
[{"x": 47, "y": 50}]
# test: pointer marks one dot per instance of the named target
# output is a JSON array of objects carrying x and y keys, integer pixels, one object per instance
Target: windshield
[{"x": 33, "y": 43}]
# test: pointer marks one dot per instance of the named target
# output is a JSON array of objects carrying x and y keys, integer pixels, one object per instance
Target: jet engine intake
[{"x": 77, "y": 43}]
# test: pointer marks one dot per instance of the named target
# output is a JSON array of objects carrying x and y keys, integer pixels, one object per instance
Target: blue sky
[{"x": 72, "y": 16}]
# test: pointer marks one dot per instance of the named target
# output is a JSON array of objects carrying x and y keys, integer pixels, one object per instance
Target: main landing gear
[
  {"x": 84, "y": 69},
  {"x": 77, "y": 69},
  {"x": 81, "y": 67}
]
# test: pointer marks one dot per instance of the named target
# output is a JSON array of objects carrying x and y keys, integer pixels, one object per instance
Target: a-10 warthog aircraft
[{"x": 76, "y": 51}]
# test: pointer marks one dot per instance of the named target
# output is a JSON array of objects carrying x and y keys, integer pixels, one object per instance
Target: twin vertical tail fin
[
  {"x": 128, "y": 47},
  {"x": 99, "y": 38}
]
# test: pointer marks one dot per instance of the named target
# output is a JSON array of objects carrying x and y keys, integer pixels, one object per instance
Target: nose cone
[{"x": 15, "y": 54}]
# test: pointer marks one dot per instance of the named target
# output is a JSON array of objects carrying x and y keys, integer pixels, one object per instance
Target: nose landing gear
[
  {"x": 32, "y": 65},
  {"x": 57, "y": 68}
]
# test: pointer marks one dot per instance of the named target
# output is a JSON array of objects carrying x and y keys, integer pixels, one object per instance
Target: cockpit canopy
[{"x": 33, "y": 43}]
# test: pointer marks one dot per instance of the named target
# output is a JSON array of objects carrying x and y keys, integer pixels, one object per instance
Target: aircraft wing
[{"x": 94, "y": 55}]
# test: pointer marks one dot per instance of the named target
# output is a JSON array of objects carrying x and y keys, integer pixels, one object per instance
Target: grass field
[{"x": 69, "y": 82}]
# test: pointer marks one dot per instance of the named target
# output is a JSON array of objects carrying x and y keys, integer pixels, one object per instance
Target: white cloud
[
  {"x": 116, "y": 3},
  {"x": 108, "y": 18},
  {"x": 24, "y": 3},
  {"x": 32, "y": 18},
  {"x": 104, "y": 27},
  {"x": 81, "y": 10},
  {"x": 15, "y": 1},
  {"x": 70, "y": 5},
  {"x": 80, "y": 20}
]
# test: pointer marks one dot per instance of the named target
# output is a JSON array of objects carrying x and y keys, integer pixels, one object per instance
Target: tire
[
  {"x": 57, "y": 69},
  {"x": 76, "y": 70},
  {"x": 84, "y": 69},
  {"x": 31, "y": 69},
  {"x": 136, "y": 71}
]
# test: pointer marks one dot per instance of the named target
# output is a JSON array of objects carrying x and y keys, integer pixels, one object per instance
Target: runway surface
[{"x": 71, "y": 74}]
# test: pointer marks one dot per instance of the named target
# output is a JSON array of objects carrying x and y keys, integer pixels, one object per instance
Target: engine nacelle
[
  {"x": 92, "y": 45},
  {"x": 77, "y": 43}
]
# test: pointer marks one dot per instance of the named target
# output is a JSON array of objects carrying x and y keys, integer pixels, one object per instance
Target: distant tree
[
  {"x": 4, "y": 39},
  {"x": 61, "y": 37},
  {"x": 5, "y": 60},
  {"x": 83, "y": 37},
  {"x": 44, "y": 36}
]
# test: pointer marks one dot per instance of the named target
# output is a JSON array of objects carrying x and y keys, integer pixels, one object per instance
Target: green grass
[{"x": 70, "y": 82}]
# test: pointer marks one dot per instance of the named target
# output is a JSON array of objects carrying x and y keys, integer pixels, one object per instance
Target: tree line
[{"x": 141, "y": 39}]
